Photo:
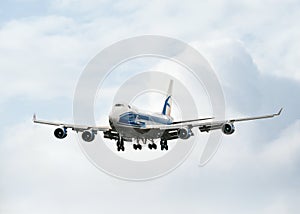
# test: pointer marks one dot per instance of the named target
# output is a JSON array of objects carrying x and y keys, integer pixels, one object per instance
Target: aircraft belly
[{"x": 131, "y": 132}]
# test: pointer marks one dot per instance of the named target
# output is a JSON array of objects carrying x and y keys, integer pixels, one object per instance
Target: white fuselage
[{"x": 128, "y": 121}]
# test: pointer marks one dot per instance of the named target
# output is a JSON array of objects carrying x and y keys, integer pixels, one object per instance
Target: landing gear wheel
[
  {"x": 154, "y": 146},
  {"x": 137, "y": 146}
]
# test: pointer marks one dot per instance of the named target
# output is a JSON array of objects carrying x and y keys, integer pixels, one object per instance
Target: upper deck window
[{"x": 118, "y": 105}]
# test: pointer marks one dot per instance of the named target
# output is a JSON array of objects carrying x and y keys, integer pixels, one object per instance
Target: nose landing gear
[{"x": 120, "y": 144}]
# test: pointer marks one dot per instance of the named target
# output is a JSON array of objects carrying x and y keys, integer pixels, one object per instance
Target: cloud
[
  {"x": 49, "y": 46},
  {"x": 77, "y": 5},
  {"x": 40, "y": 57},
  {"x": 285, "y": 149}
]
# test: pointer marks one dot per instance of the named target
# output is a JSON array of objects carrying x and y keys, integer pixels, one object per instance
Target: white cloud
[
  {"x": 284, "y": 151},
  {"x": 77, "y": 5},
  {"x": 54, "y": 47},
  {"x": 239, "y": 149},
  {"x": 40, "y": 58}
]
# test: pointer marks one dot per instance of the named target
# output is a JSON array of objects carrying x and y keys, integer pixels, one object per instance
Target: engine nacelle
[
  {"x": 88, "y": 135},
  {"x": 228, "y": 128},
  {"x": 60, "y": 132},
  {"x": 184, "y": 133}
]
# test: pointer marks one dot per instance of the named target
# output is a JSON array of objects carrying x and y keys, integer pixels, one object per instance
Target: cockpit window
[
  {"x": 129, "y": 106},
  {"x": 128, "y": 117},
  {"x": 118, "y": 105}
]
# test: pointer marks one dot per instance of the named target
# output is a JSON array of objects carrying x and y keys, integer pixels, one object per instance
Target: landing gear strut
[
  {"x": 164, "y": 144},
  {"x": 120, "y": 144}
]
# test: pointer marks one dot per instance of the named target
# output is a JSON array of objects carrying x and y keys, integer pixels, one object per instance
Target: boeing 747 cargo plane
[{"x": 128, "y": 124}]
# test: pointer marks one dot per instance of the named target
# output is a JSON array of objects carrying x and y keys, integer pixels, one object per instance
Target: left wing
[
  {"x": 186, "y": 121},
  {"x": 75, "y": 127},
  {"x": 207, "y": 126}
]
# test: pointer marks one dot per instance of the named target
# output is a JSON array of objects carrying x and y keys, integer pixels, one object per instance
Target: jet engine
[
  {"x": 228, "y": 128},
  {"x": 184, "y": 133},
  {"x": 88, "y": 135},
  {"x": 60, "y": 132}
]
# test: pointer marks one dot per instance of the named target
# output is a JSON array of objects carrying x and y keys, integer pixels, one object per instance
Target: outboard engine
[
  {"x": 60, "y": 132},
  {"x": 228, "y": 128},
  {"x": 88, "y": 135},
  {"x": 184, "y": 133}
]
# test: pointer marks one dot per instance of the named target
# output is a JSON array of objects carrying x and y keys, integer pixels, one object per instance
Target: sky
[{"x": 253, "y": 48}]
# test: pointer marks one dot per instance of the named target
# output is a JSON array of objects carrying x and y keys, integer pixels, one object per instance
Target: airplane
[{"x": 127, "y": 123}]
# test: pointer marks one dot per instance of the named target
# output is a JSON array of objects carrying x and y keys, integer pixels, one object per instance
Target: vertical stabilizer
[{"x": 168, "y": 102}]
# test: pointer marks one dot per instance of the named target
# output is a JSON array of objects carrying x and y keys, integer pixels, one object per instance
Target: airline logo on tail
[
  {"x": 168, "y": 102},
  {"x": 167, "y": 107}
]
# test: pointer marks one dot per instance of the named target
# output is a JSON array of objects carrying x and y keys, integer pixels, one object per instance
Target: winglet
[
  {"x": 34, "y": 117},
  {"x": 279, "y": 112}
]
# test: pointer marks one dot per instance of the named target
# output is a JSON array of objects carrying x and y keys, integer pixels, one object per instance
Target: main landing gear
[
  {"x": 164, "y": 144},
  {"x": 137, "y": 145},
  {"x": 120, "y": 144},
  {"x": 152, "y": 145}
]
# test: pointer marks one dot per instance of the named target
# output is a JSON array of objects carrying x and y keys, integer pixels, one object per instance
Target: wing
[
  {"x": 207, "y": 126},
  {"x": 196, "y": 120},
  {"x": 72, "y": 126}
]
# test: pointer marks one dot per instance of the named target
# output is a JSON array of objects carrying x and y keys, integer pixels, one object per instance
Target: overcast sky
[{"x": 254, "y": 49}]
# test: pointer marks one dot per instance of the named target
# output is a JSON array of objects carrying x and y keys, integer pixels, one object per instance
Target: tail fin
[{"x": 168, "y": 102}]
